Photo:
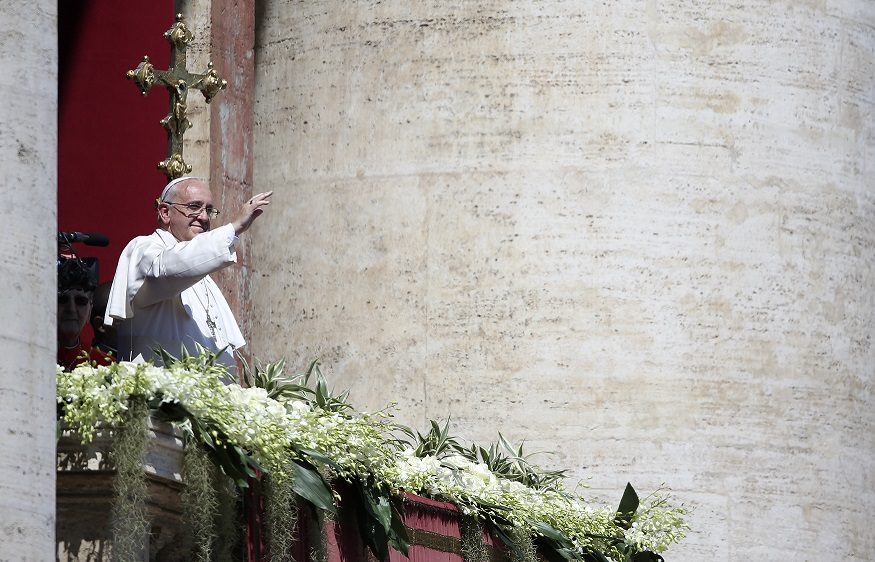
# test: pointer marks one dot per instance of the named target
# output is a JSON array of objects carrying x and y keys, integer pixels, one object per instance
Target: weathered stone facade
[{"x": 638, "y": 234}]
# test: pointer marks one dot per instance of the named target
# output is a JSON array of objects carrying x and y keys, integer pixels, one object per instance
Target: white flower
[{"x": 272, "y": 432}]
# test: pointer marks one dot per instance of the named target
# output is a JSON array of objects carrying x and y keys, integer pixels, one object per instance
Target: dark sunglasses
[{"x": 80, "y": 300}]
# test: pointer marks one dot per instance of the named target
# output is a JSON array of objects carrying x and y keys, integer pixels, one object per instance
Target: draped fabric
[{"x": 162, "y": 295}]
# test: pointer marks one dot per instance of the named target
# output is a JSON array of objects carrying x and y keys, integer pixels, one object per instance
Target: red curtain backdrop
[{"x": 109, "y": 139}]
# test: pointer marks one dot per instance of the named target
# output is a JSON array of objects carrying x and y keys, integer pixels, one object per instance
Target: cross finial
[{"x": 178, "y": 80}]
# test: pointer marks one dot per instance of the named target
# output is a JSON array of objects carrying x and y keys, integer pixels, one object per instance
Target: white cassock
[{"x": 162, "y": 296}]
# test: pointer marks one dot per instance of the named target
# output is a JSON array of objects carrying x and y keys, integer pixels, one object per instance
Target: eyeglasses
[
  {"x": 194, "y": 209},
  {"x": 80, "y": 300}
]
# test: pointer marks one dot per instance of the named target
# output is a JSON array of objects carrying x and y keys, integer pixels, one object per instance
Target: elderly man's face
[
  {"x": 181, "y": 221},
  {"x": 74, "y": 309}
]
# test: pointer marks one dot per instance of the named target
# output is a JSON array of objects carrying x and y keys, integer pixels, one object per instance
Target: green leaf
[
  {"x": 166, "y": 358},
  {"x": 168, "y": 411},
  {"x": 398, "y": 537},
  {"x": 595, "y": 556},
  {"x": 551, "y": 533},
  {"x": 320, "y": 457},
  {"x": 233, "y": 462},
  {"x": 378, "y": 507},
  {"x": 490, "y": 505},
  {"x": 380, "y": 521},
  {"x": 628, "y": 506},
  {"x": 498, "y": 532},
  {"x": 239, "y": 462},
  {"x": 558, "y": 547},
  {"x": 310, "y": 485},
  {"x": 552, "y": 551},
  {"x": 232, "y": 469},
  {"x": 647, "y": 556},
  {"x": 373, "y": 533},
  {"x": 314, "y": 366}
]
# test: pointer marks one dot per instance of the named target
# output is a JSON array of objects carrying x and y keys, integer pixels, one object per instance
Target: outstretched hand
[{"x": 252, "y": 209}]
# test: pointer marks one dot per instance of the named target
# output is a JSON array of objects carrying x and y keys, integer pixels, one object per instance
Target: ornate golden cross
[{"x": 178, "y": 80}]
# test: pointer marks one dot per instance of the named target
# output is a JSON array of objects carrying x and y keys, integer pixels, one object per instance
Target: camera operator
[{"x": 76, "y": 284}]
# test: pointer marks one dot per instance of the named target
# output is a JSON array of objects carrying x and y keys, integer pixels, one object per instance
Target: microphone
[{"x": 88, "y": 238}]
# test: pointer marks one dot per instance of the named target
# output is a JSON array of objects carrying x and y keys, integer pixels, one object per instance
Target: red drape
[{"x": 109, "y": 137}]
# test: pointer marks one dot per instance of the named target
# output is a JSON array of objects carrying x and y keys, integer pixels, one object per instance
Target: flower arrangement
[{"x": 302, "y": 437}]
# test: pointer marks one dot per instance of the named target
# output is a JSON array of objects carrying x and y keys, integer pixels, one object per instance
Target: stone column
[
  {"x": 231, "y": 142},
  {"x": 28, "y": 277},
  {"x": 220, "y": 144},
  {"x": 638, "y": 234}
]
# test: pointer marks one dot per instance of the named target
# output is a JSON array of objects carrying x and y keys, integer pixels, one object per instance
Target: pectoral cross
[
  {"x": 212, "y": 325},
  {"x": 178, "y": 80}
]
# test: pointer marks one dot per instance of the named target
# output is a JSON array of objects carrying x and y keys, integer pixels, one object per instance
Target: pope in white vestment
[{"x": 162, "y": 294}]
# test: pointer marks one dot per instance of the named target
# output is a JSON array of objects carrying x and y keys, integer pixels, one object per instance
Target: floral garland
[{"x": 277, "y": 423}]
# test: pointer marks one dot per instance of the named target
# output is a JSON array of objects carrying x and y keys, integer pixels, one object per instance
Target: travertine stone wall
[
  {"x": 28, "y": 274},
  {"x": 221, "y": 152},
  {"x": 638, "y": 234},
  {"x": 198, "y": 19}
]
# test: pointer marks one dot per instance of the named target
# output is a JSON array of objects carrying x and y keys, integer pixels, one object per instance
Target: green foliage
[
  {"x": 232, "y": 459},
  {"x": 204, "y": 361},
  {"x": 554, "y": 545},
  {"x": 210, "y": 508},
  {"x": 513, "y": 464},
  {"x": 308, "y": 483},
  {"x": 270, "y": 377},
  {"x": 628, "y": 506},
  {"x": 380, "y": 516},
  {"x": 305, "y": 437},
  {"x": 504, "y": 532},
  {"x": 501, "y": 458},
  {"x": 436, "y": 443}
]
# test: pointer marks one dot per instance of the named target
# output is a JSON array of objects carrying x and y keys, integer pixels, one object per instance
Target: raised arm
[
  {"x": 163, "y": 268},
  {"x": 251, "y": 211}
]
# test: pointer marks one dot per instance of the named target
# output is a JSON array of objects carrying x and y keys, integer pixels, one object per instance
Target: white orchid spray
[
  {"x": 499, "y": 484},
  {"x": 281, "y": 425}
]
